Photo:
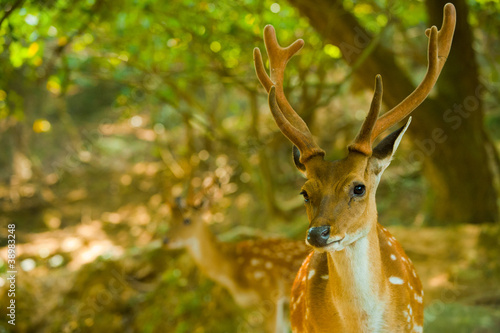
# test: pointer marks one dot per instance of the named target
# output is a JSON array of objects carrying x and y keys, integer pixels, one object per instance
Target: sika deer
[
  {"x": 255, "y": 272},
  {"x": 358, "y": 278}
]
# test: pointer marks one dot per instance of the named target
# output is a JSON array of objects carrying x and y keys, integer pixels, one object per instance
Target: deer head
[
  {"x": 186, "y": 223},
  {"x": 340, "y": 195}
]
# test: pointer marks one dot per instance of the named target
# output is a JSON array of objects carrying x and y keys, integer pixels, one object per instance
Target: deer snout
[{"x": 318, "y": 236}]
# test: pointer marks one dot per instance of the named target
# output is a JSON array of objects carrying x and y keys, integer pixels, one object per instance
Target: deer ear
[
  {"x": 202, "y": 204},
  {"x": 296, "y": 159},
  {"x": 384, "y": 151},
  {"x": 179, "y": 202}
]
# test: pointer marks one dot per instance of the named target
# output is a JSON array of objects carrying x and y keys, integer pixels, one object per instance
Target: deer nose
[{"x": 318, "y": 236}]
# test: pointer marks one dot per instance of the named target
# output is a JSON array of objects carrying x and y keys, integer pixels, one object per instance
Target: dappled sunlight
[
  {"x": 80, "y": 245},
  {"x": 131, "y": 127},
  {"x": 439, "y": 281},
  {"x": 93, "y": 250},
  {"x": 135, "y": 136}
]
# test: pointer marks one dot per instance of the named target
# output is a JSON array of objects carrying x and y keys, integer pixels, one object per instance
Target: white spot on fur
[
  {"x": 388, "y": 242},
  {"x": 393, "y": 257},
  {"x": 325, "y": 277},
  {"x": 311, "y": 273},
  {"x": 395, "y": 280},
  {"x": 254, "y": 262},
  {"x": 258, "y": 275},
  {"x": 418, "y": 329},
  {"x": 414, "y": 273},
  {"x": 269, "y": 265}
]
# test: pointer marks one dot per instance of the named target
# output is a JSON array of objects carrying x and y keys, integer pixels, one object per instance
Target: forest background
[{"x": 111, "y": 109}]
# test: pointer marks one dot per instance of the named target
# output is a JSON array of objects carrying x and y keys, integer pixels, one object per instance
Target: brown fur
[
  {"x": 325, "y": 294},
  {"x": 258, "y": 273}
]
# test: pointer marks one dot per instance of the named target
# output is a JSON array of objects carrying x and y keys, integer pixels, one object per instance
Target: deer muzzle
[{"x": 318, "y": 236}]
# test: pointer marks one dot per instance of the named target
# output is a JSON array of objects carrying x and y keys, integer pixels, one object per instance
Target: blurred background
[{"x": 111, "y": 109}]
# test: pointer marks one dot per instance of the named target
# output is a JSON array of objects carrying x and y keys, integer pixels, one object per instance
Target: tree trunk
[{"x": 447, "y": 131}]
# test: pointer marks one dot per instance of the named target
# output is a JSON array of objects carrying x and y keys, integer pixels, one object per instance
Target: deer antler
[
  {"x": 363, "y": 142},
  {"x": 438, "y": 50},
  {"x": 197, "y": 197},
  {"x": 289, "y": 122}
]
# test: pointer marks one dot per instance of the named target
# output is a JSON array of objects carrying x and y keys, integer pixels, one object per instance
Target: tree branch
[{"x": 9, "y": 11}]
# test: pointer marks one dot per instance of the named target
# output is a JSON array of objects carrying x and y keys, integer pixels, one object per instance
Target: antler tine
[
  {"x": 196, "y": 196},
  {"x": 438, "y": 50},
  {"x": 363, "y": 143},
  {"x": 264, "y": 79},
  {"x": 278, "y": 58},
  {"x": 289, "y": 122},
  {"x": 303, "y": 140}
]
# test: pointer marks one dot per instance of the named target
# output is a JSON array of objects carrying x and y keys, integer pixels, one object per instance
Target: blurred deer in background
[
  {"x": 255, "y": 272},
  {"x": 358, "y": 278}
]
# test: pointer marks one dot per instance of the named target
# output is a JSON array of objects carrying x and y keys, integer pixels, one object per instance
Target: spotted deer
[
  {"x": 257, "y": 273},
  {"x": 358, "y": 277}
]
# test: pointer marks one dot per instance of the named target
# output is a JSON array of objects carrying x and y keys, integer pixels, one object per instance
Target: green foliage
[
  {"x": 109, "y": 108},
  {"x": 462, "y": 319},
  {"x": 486, "y": 261},
  {"x": 109, "y": 295}
]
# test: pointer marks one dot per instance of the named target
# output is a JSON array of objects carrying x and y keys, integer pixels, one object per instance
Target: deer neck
[
  {"x": 355, "y": 274},
  {"x": 207, "y": 252}
]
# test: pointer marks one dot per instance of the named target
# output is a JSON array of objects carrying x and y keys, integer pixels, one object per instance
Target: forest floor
[
  {"x": 90, "y": 263},
  {"x": 78, "y": 278}
]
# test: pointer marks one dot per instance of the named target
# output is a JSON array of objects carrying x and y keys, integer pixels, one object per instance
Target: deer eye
[
  {"x": 359, "y": 190},
  {"x": 186, "y": 221},
  {"x": 305, "y": 195}
]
